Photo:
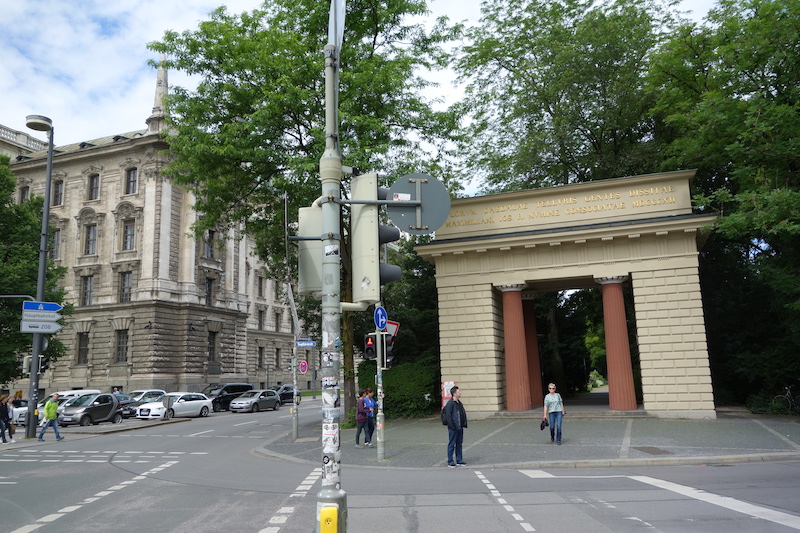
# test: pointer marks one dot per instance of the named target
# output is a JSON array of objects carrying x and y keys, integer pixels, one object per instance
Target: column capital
[
  {"x": 605, "y": 280},
  {"x": 510, "y": 288}
]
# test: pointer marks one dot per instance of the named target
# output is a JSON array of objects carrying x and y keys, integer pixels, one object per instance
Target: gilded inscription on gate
[{"x": 586, "y": 203}]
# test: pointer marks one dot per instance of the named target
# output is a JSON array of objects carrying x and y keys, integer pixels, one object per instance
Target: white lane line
[
  {"x": 283, "y": 514},
  {"x": 791, "y": 443},
  {"x": 757, "y": 511},
  {"x": 626, "y": 441},
  {"x": 245, "y": 423},
  {"x": 508, "y": 508},
  {"x": 200, "y": 433},
  {"x": 111, "y": 490}
]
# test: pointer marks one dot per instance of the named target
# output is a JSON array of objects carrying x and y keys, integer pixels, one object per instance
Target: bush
[{"x": 411, "y": 390}]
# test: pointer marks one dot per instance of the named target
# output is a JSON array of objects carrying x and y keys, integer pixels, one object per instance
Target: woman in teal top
[{"x": 554, "y": 409}]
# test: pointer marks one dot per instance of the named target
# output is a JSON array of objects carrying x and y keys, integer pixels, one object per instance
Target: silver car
[{"x": 256, "y": 400}]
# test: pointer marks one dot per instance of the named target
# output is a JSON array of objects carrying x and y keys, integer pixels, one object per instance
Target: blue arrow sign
[
  {"x": 380, "y": 317},
  {"x": 41, "y": 306}
]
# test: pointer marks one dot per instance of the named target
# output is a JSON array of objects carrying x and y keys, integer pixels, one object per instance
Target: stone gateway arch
[{"x": 495, "y": 252}]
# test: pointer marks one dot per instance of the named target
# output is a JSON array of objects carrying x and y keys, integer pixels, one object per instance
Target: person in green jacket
[{"x": 51, "y": 417}]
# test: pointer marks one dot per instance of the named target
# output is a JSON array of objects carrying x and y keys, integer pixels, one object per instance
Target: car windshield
[
  {"x": 152, "y": 397},
  {"x": 86, "y": 399},
  {"x": 248, "y": 394},
  {"x": 211, "y": 390}
]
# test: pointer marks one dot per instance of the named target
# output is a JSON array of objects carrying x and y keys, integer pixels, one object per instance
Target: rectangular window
[
  {"x": 131, "y": 177},
  {"x": 83, "y": 349},
  {"x": 260, "y": 319},
  {"x": 58, "y": 193},
  {"x": 55, "y": 244},
  {"x": 209, "y": 291},
  {"x": 87, "y": 285},
  {"x": 122, "y": 346},
  {"x": 260, "y": 286},
  {"x": 125, "y": 286},
  {"x": 93, "y": 187},
  {"x": 208, "y": 244},
  {"x": 128, "y": 235},
  {"x": 278, "y": 316},
  {"x": 90, "y": 243},
  {"x": 24, "y": 194},
  {"x": 278, "y": 358},
  {"x": 260, "y": 357},
  {"x": 212, "y": 346}
]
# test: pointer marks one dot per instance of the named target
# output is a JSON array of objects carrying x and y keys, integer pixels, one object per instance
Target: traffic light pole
[
  {"x": 331, "y": 499},
  {"x": 381, "y": 335}
]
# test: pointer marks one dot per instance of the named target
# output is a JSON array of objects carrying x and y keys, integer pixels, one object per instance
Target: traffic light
[
  {"x": 26, "y": 365},
  {"x": 390, "y": 359},
  {"x": 44, "y": 363},
  {"x": 366, "y": 237},
  {"x": 370, "y": 346},
  {"x": 309, "y": 253}
]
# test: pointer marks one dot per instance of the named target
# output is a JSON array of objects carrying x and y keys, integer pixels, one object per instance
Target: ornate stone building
[{"x": 153, "y": 305}]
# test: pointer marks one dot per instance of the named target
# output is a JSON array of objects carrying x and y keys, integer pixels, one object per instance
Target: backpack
[{"x": 444, "y": 416}]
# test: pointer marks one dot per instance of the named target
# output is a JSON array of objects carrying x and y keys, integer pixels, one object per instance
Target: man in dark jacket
[{"x": 456, "y": 422}]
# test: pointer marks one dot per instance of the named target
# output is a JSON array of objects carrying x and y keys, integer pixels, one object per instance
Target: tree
[
  {"x": 253, "y": 130},
  {"x": 557, "y": 91},
  {"x": 20, "y": 235},
  {"x": 729, "y": 92}
]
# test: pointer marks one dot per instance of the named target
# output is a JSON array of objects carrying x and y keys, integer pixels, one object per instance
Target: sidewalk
[{"x": 599, "y": 439}]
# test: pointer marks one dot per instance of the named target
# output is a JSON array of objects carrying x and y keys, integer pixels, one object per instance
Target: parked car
[
  {"x": 221, "y": 394},
  {"x": 287, "y": 393},
  {"x": 140, "y": 397},
  {"x": 256, "y": 400},
  {"x": 175, "y": 404},
  {"x": 21, "y": 414},
  {"x": 20, "y": 409},
  {"x": 91, "y": 409}
]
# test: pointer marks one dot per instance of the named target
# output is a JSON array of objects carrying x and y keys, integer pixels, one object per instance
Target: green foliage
[
  {"x": 557, "y": 91},
  {"x": 20, "y": 236},
  {"x": 411, "y": 389}
]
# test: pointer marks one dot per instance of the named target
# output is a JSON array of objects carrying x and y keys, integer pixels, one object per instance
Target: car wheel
[
  {"x": 255, "y": 408},
  {"x": 216, "y": 406},
  {"x": 117, "y": 419},
  {"x": 277, "y": 406},
  {"x": 169, "y": 414},
  {"x": 204, "y": 411},
  {"x": 86, "y": 421}
]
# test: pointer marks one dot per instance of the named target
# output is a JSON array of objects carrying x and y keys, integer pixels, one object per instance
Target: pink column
[
  {"x": 518, "y": 392},
  {"x": 532, "y": 349},
  {"x": 621, "y": 394}
]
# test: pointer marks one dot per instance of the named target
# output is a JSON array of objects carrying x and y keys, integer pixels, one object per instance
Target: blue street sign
[
  {"x": 41, "y": 306},
  {"x": 380, "y": 317},
  {"x": 305, "y": 344}
]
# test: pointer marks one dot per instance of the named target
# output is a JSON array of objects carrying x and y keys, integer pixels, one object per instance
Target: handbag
[
  {"x": 12, "y": 428},
  {"x": 544, "y": 424}
]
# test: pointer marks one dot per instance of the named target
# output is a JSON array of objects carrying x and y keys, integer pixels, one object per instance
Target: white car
[{"x": 175, "y": 404}]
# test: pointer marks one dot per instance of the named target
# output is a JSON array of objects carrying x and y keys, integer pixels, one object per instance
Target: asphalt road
[{"x": 205, "y": 475}]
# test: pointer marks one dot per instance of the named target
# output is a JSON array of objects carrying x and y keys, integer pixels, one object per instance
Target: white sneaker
[{"x": 12, "y": 441}]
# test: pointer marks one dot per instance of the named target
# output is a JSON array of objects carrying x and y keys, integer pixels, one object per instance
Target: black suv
[
  {"x": 221, "y": 394},
  {"x": 286, "y": 393}
]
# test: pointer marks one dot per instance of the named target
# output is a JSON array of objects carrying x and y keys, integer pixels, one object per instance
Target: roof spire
[{"x": 154, "y": 122}]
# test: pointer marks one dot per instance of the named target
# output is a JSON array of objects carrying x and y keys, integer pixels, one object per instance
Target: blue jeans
[
  {"x": 370, "y": 429},
  {"x": 54, "y": 423},
  {"x": 555, "y": 425},
  {"x": 3, "y": 427},
  {"x": 454, "y": 443}
]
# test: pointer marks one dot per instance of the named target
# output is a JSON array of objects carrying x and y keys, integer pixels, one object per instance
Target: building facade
[{"x": 154, "y": 307}]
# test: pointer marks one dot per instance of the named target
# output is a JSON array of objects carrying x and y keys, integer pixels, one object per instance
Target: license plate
[
  {"x": 144, "y": 412},
  {"x": 67, "y": 419}
]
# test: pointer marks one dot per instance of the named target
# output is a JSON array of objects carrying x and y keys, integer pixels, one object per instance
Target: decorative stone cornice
[
  {"x": 83, "y": 326},
  {"x": 214, "y": 326},
  {"x": 511, "y": 288},
  {"x": 92, "y": 169},
  {"x": 120, "y": 323},
  {"x": 611, "y": 279}
]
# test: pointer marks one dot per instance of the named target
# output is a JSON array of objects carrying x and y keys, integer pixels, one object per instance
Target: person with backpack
[{"x": 456, "y": 417}]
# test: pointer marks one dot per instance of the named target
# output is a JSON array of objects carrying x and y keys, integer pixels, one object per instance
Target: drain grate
[{"x": 652, "y": 450}]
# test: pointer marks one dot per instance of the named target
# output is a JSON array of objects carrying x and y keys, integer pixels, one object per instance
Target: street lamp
[{"x": 40, "y": 123}]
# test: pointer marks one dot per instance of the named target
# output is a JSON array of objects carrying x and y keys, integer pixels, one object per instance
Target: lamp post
[{"x": 40, "y": 123}]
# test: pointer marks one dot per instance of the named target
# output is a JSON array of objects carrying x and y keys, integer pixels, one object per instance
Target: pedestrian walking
[
  {"x": 6, "y": 417},
  {"x": 361, "y": 418},
  {"x": 51, "y": 417},
  {"x": 554, "y": 410},
  {"x": 456, "y": 423},
  {"x": 370, "y": 404}
]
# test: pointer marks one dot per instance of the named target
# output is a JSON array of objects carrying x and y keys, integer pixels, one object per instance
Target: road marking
[
  {"x": 111, "y": 490},
  {"x": 196, "y": 434},
  {"x": 626, "y": 441},
  {"x": 724, "y": 501},
  {"x": 246, "y": 423},
  {"x": 283, "y": 514},
  {"x": 783, "y": 438},
  {"x": 508, "y": 508}
]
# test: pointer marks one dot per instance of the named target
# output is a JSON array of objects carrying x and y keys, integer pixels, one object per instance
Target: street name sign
[{"x": 29, "y": 326}]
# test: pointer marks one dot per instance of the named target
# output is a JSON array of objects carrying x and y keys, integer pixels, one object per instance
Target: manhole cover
[{"x": 652, "y": 450}]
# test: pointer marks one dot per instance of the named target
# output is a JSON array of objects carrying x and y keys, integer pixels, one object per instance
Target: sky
[{"x": 83, "y": 63}]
